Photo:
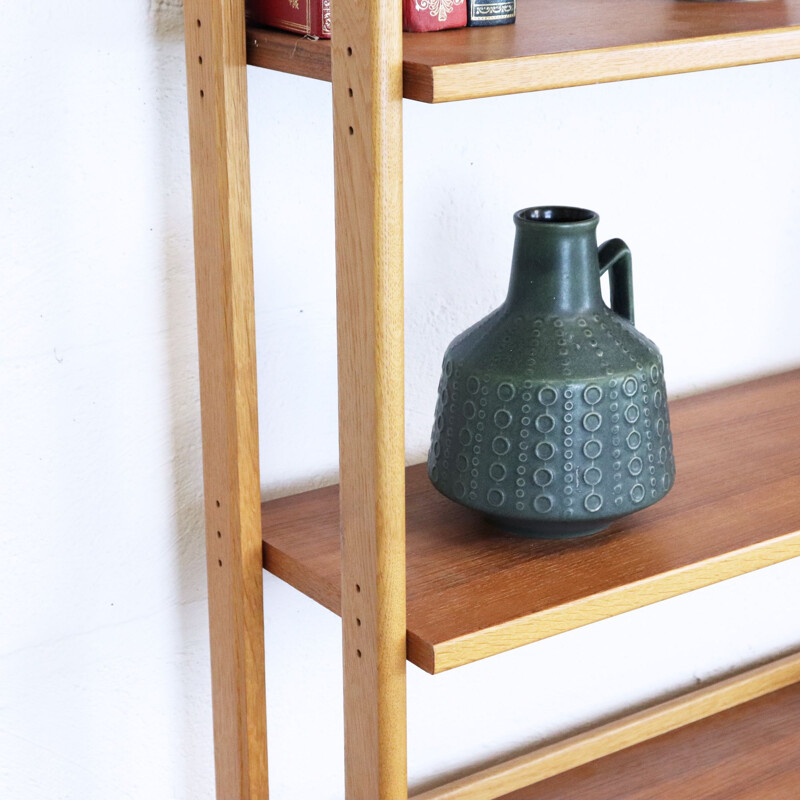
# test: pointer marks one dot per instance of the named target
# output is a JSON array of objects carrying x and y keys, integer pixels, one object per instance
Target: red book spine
[
  {"x": 308, "y": 17},
  {"x": 433, "y": 15}
]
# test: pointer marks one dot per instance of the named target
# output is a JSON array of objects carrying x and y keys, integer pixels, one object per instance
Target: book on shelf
[
  {"x": 313, "y": 17},
  {"x": 420, "y": 16},
  {"x": 482, "y": 13},
  {"x": 308, "y": 17}
]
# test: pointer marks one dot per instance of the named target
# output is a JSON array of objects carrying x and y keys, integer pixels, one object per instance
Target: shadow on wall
[{"x": 192, "y": 667}]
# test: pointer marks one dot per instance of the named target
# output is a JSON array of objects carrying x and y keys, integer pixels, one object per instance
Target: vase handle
[{"x": 615, "y": 258}]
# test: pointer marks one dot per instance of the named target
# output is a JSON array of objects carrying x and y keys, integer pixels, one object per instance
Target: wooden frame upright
[
  {"x": 367, "y": 68},
  {"x": 217, "y": 89}
]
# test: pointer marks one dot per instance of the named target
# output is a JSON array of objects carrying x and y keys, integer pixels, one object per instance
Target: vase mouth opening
[{"x": 557, "y": 215}]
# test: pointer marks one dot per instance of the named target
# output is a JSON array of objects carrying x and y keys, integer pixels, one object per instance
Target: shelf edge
[
  {"x": 541, "y": 625},
  {"x": 478, "y": 79}
]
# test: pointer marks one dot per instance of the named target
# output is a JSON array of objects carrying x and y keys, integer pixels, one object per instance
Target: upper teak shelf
[{"x": 558, "y": 43}]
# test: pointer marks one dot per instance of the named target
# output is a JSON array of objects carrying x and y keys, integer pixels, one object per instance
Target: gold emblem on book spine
[
  {"x": 438, "y": 8},
  {"x": 295, "y": 4}
]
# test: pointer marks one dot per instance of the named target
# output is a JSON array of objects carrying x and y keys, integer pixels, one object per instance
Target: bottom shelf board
[
  {"x": 473, "y": 591},
  {"x": 749, "y": 752}
]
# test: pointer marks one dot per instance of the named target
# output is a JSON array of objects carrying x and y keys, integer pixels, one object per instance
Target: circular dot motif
[
  {"x": 635, "y": 466},
  {"x": 461, "y": 490},
  {"x": 592, "y": 395},
  {"x": 448, "y": 368},
  {"x": 547, "y": 395},
  {"x": 464, "y": 436},
  {"x": 506, "y": 392},
  {"x": 497, "y": 472},
  {"x": 592, "y": 421},
  {"x": 502, "y": 418},
  {"x": 501, "y": 445},
  {"x": 658, "y": 398},
  {"x": 545, "y": 423},
  {"x": 543, "y": 503},
  {"x": 542, "y": 477},
  {"x": 593, "y": 502},
  {"x": 637, "y": 493},
  {"x": 654, "y": 374},
  {"x": 632, "y": 413},
  {"x": 496, "y": 497},
  {"x": 545, "y": 451},
  {"x": 462, "y": 463},
  {"x": 593, "y": 476},
  {"x": 629, "y": 386},
  {"x": 660, "y": 426},
  {"x": 592, "y": 448},
  {"x": 434, "y": 473},
  {"x": 633, "y": 440},
  {"x": 469, "y": 409},
  {"x": 473, "y": 385}
]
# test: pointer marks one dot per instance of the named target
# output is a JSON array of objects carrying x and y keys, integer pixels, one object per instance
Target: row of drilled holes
[
  {"x": 352, "y": 131},
  {"x": 203, "y": 94}
]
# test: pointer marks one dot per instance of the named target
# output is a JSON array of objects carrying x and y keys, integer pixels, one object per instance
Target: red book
[
  {"x": 309, "y": 17},
  {"x": 313, "y": 17},
  {"x": 433, "y": 15}
]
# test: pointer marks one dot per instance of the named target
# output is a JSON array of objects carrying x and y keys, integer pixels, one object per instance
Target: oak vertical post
[
  {"x": 216, "y": 78},
  {"x": 367, "y": 106}
]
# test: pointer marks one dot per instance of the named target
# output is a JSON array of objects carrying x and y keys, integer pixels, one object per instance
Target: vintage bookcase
[{"x": 388, "y": 515}]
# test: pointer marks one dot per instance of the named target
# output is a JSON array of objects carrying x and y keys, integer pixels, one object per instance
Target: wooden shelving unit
[
  {"x": 556, "y": 44},
  {"x": 735, "y": 506}
]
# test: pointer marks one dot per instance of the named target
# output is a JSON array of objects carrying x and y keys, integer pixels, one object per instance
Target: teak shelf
[
  {"x": 748, "y": 751},
  {"x": 735, "y": 507},
  {"x": 555, "y": 44}
]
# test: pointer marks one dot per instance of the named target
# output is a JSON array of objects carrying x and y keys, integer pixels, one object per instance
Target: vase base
[{"x": 556, "y": 529}]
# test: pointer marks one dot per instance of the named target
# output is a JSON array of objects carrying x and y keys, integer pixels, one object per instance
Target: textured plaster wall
[{"x": 104, "y": 677}]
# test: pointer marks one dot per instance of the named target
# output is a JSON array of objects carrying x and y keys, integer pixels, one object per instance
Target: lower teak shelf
[
  {"x": 734, "y": 509},
  {"x": 749, "y": 752}
]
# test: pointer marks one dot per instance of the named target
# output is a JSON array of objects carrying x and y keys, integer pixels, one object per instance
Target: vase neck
[{"x": 555, "y": 270}]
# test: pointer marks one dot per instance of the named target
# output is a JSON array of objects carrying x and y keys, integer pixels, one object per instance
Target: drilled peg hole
[
  {"x": 199, "y": 59},
  {"x": 349, "y": 49},
  {"x": 219, "y": 562},
  {"x": 219, "y": 534},
  {"x": 198, "y": 23},
  {"x": 358, "y": 653},
  {"x": 350, "y": 92},
  {"x": 358, "y": 622},
  {"x": 217, "y": 503},
  {"x": 358, "y": 588},
  {"x": 351, "y": 130},
  {"x": 202, "y": 93}
]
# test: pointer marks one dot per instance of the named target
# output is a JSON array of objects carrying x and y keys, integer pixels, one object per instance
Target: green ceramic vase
[{"x": 552, "y": 414}]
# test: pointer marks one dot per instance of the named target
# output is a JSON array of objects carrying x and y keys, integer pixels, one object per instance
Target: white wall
[{"x": 104, "y": 677}]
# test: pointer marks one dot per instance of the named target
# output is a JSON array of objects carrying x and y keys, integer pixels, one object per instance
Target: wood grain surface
[
  {"x": 750, "y": 752},
  {"x": 368, "y": 169},
  {"x": 217, "y": 88},
  {"x": 611, "y": 737},
  {"x": 735, "y": 507},
  {"x": 558, "y": 43}
]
